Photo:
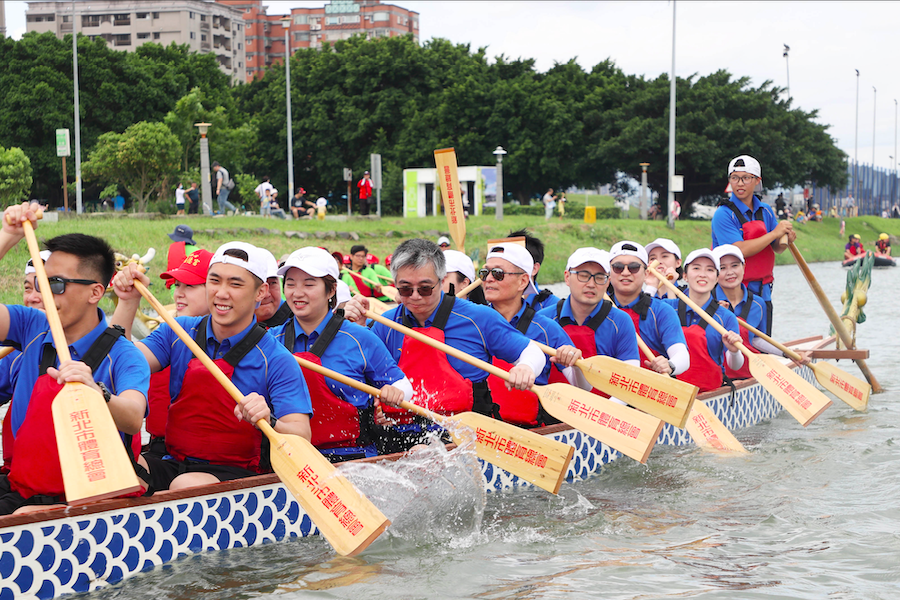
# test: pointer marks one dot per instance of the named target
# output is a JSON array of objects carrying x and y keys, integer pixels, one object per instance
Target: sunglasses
[
  {"x": 497, "y": 273},
  {"x": 619, "y": 268},
  {"x": 407, "y": 291},
  {"x": 585, "y": 276},
  {"x": 58, "y": 284}
]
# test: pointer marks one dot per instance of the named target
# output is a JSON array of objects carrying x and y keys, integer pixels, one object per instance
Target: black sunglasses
[
  {"x": 407, "y": 291},
  {"x": 58, "y": 284},
  {"x": 619, "y": 268},
  {"x": 497, "y": 273}
]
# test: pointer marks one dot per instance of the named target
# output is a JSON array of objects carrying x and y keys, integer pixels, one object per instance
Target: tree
[
  {"x": 15, "y": 176},
  {"x": 143, "y": 159}
]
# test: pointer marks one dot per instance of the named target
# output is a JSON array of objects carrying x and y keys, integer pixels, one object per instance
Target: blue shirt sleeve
[
  {"x": 24, "y": 322},
  {"x": 287, "y": 390},
  {"x": 503, "y": 340},
  {"x": 668, "y": 327},
  {"x": 130, "y": 370},
  {"x": 549, "y": 332},
  {"x": 725, "y": 227},
  {"x": 161, "y": 340}
]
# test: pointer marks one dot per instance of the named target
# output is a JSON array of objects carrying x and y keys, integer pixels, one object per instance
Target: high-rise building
[
  {"x": 210, "y": 27},
  {"x": 312, "y": 27}
]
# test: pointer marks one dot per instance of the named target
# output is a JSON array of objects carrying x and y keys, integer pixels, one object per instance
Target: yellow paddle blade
[
  {"x": 798, "y": 396},
  {"x": 655, "y": 394},
  {"x": 623, "y": 428},
  {"x": 94, "y": 461},
  {"x": 534, "y": 458},
  {"x": 344, "y": 516},
  {"x": 852, "y": 390},
  {"x": 378, "y": 307},
  {"x": 709, "y": 432},
  {"x": 447, "y": 180}
]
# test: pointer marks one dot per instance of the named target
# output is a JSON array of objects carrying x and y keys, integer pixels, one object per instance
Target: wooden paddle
[
  {"x": 388, "y": 290},
  {"x": 852, "y": 390},
  {"x": 468, "y": 289},
  {"x": 447, "y": 179},
  {"x": 655, "y": 394},
  {"x": 705, "y": 428},
  {"x": 839, "y": 328},
  {"x": 347, "y": 519},
  {"x": 5, "y": 351},
  {"x": 625, "y": 429},
  {"x": 798, "y": 396},
  {"x": 534, "y": 458},
  {"x": 81, "y": 418}
]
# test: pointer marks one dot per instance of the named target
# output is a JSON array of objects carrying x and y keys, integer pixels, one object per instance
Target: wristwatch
[
  {"x": 672, "y": 366},
  {"x": 106, "y": 393}
]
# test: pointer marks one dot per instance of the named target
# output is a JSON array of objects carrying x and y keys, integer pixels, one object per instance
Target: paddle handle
[
  {"x": 5, "y": 351},
  {"x": 468, "y": 289},
  {"x": 821, "y": 297},
  {"x": 549, "y": 351},
  {"x": 787, "y": 351},
  {"x": 645, "y": 348},
  {"x": 703, "y": 314}
]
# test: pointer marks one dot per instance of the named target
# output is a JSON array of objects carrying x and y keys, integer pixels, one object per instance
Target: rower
[
  {"x": 190, "y": 301},
  {"x": 359, "y": 268},
  {"x": 745, "y": 221},
  {"x": 655, "y": 321},
  {"x": 734, "y": 295},
  {"x": 343, "y": 422},
  {"x": 854, "y": 248},
  {"x": 667, "y": 253},
  {"x": 460, "y": 273},
  {"x": 272, "y": 310},
  {"x": 443, "y": 383},
  {"x": 507, "y": 276},
  {"x": 540, "y": 299},
  {"x": 182, "y": 245},
  {"x": 79, "y": 268},
  {"x": 883, "y": 245},
  {"x": 706, "y": 345},
  {"x": 208, "y": 438},
  {"x": 384, "y": 275}
]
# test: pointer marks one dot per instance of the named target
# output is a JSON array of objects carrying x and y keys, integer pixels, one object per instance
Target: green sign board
[
  {"x": 411, "y": 193},
  {"x": 62, "y": 143}
]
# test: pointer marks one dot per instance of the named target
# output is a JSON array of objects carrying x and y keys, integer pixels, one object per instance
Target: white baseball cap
[
  {"x": 745, "y": 163},
  {"x": 257, "y": 263},
  {"x": 518, "y": 256},
  {"x": 443, "y": 240},
  {"x": 271, "y": 264},
  {"x": 29, "y": 266},
  {"x": 312, "y": 260},
  {"x": 458, "y": 261},
  {"x": 702, "y": 253},
  {"x": 343, "y": 292},
  {"x": 727, "y": 250},
  {"x": 589, "y": 254},
  {"x": 666, "y": 244},
  {"x": 627, "y": 248}
]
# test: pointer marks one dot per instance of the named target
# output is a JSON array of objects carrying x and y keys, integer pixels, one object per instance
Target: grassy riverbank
[{"x": 817, "y": 241}]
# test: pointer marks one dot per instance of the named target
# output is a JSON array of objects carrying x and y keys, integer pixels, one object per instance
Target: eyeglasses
[
  {"x": 497, "y": 273},
  {"x": 58, "y": 284},
  {"x": 424, "y": 291},
  {"x": 585, "y": 276},
  {"x": 619, "y": 268},
  {"x": 742, "y": 178}
]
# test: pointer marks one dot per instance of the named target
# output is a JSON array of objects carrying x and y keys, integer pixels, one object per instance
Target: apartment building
[
  {"x": 313, "y": 27},
  {"x": 208, "y": 27}
]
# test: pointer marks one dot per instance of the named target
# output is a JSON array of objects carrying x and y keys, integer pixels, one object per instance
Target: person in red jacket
[{"x": 365, "y": 192}]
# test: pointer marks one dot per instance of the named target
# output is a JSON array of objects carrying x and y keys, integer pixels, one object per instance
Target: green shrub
[{"x": 574, "y": 210}]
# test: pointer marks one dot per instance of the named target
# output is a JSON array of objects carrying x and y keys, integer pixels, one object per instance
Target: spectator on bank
[
  {"x": 549, "y": 201},
  {"x": 301, "y": 206},
  {"x": 179, "y": 199},
  {"x": 224, "y": 185},
  {"x": 193, "y": 198},
  {"x": 365, "y": 192}
]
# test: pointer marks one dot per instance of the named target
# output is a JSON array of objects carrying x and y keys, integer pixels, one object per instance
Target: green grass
[{"x": 817, "y": 241}]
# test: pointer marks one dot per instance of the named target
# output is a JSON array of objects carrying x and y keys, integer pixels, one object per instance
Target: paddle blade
[
  {"x": 794, "y": 393},
  {"x": 623, "y": 428},
  {"x": 448, "y": 182},
  {"x": 659, "y": 395},
  {"x": 93, "y": 459},
  {"x": 534, "y": 458},
  {"x": 378, "y": 307},
  {"x": 709, "y": 432},
  {"x": 852, "y": 390},
  {"x": 347, "y": 519}
]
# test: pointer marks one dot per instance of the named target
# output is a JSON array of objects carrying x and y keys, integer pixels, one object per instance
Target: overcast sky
[{"x": 828, "y": 41}]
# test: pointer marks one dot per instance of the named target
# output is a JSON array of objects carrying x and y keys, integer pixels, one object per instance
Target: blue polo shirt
[
  {"x": 723, "y": 316},
  {"x": 758, "y": 315},
  {"x": 268, "y": 369},
  {"x": 473, "y": 328},
  {"x": 726, "y": 229},
  {"x": 355, "y": 352},
  {"x": 123, "y": 369},
  {"x": 550, "y": 300},
  {"x": 661, "y": 329},
  {"x": 546, "y": 331},
  {"x": 614, "y": 337}
]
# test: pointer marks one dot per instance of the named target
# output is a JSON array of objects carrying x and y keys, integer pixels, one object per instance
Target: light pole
[
  {"x": 286, "y": 24},
  {"x": 893, "y": 164},
  {"x": 788, "y": 67},
  {"x": 856, "y": 144},
  {"x": 498, "y": 203},
  {"x": 205, "y": 189},
  {"x": 644, "y": 191},
  {"x": 671, "y": 194},
  {"x": 78, "y": 206},
  {"x": 874, "y": 106}
]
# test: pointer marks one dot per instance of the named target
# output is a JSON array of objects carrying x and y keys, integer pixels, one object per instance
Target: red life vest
[
  {"x": 335, "y": 423},
  {"x": 882, "y": 246},
  {"x": 201, "y": 423},
  {"x": 364, "y": 289},
  {"x": 582, "y": 336},
  {"x": 436, "y": 385},
  {"x": 758, "y": 267},
  {"x": 704, "y": 372},
  {"x": 744, "y": 371},
  {"x": 36, "y": 470},
  {"x": 520, "y": 407},
  {"x": 158, "y": 400}
]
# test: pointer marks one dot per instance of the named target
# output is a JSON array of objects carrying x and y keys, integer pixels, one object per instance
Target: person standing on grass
[
  {"x": 179, "y": 199},
  {"x": 224, "y": 185},
  {"x": 365, "y": 192},
  {"x": 193, "y": 196},
  {"x": 549, "y": 201}
]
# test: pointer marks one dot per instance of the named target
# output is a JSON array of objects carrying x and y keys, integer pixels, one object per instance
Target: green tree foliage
[
  {"x": 15, "y": 176},
  {"x": 143, "y": 160}
]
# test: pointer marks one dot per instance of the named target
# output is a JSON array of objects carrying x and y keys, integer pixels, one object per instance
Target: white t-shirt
[
  {"x": 549, "y": 202},
  {"x": 179, "y": 195},
  {"x": 261, "y": 189}
]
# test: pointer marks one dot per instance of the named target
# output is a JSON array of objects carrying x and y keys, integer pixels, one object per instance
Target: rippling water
[{"x": 809, "y": 513}]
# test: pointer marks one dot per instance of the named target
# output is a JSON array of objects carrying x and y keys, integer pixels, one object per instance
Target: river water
[{"x": 809, "y": 513}]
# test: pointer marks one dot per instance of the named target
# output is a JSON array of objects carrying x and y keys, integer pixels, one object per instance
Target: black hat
[{"x": 183, "y": 233}]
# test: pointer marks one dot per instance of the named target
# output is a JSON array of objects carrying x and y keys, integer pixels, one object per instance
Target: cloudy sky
[{"x": 828, "y": 41}]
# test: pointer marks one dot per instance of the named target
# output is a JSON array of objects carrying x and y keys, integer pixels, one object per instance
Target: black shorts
[
  {"x": 11, "y": 500},
  {"x": 164, "y": 471}
]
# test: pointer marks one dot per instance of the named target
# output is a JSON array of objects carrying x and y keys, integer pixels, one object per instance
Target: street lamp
[
  {"x": 286, "y": 24},
  {"x": 670, "y": 205},
  {"x": 498, "y": 210},
  {"x": 788, "y": 67},
  {"x": 78, "y": 203},
  {"x": 644, "y": 191},
  {"x": 205, "y": 189},
  {"x": 856, "y": 144}
]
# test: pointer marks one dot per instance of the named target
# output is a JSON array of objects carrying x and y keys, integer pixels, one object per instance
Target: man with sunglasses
[
  {"x": 745, "y": 221},
  {"x": 79, "y": 268},
  {"x": 539, "y": 298},
  {"x": 655, "y": 321}
]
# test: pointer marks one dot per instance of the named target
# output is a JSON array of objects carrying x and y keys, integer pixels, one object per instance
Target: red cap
[
  {"x": 346, "y": 259},
  {"x": 387, "y": 260},
  {"x": 372, "y": 259},
  {"x": 192, "y": 271}
]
